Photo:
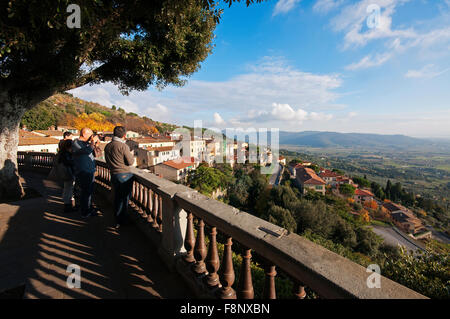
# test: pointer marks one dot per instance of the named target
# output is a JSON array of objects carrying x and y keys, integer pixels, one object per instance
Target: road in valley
[
  {"x": 440, "y": 236},
  {"x": 275, "y": 177},
  {"x": 394, "y": 238}
]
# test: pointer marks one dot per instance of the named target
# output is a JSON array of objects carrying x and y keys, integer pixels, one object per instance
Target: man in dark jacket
[
  {"x": 119, "y": 159},
  {"x": 65, "y": 157},
  {"x": 84, "y": 164},
  {"x": 66, "y": 136}
]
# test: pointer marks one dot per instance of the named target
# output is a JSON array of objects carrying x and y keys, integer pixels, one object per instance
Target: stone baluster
[
  {"x": 140, "y": 188},
  {"x": 28, "y": 161},
  {"x": 160, "y": 212},
  {"x": 269, "y": 284},
  {"x": 155, "y": 210},
  {"x": 299, "y": 290},
  {"x": 144, "y": 201},
  {"x": 133, "y": 194},
  {"x": 189, "y": 240},
  {"x": 212, "y": 260},
  {"x": 149, "y": 205},
  {"x": 200, "y": 249},
  {"x": 245, "y": 290},
  {"x": 227, "y": 275}
]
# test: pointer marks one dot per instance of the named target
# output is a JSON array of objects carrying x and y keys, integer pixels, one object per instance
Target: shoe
[
  {"x": 68, "y": 208},
  {"x": 117, "y": 226},
  {"x": 93, "y": 212}
]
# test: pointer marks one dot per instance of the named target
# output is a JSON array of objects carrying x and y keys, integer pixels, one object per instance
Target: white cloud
[
  {"x": 218, "y": 120},
  {"x": 369, "y": 61},
  {"x": 353, "y": 22},
  {"x": 142, "y": 103},
  {"x": 157, "y": 109},
  {"x": 325, "y": 6},
  {"x": 353, "y": 19},
  {"x": 282, "y": 115},
  {"x": 428, "y": 71},
  {"x": 284, "y": 6},
  {"x": 128, "y": 105},
  {"x": 97, "y": 94},
  {"x": 272, "y": 79},
  {"x": 269, "y": 80}
]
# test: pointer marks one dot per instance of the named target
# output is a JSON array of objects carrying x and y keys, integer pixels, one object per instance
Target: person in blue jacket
[{"x": 84, "y": 164}]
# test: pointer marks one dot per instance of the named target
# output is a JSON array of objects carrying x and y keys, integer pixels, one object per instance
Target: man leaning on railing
[{"x": 119, "y": 158}]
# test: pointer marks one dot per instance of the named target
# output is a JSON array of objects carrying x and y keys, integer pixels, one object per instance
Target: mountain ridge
[{"x": 326, "y": 139}]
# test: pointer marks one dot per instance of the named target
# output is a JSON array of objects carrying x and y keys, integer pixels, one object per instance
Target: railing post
[
  {"x": 173, "y": 228},
  {"x": 245, "y": 280},
  {"x": 212, "y": 260},
  {"x": 269, "y": 284},
  {"x": 28, "y": 161},
  {"x": 227, "y": 275}
]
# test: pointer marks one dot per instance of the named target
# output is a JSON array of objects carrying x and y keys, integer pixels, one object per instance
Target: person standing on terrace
[
  {"x": 84, "y": 160},
  {"x": 66, "y": 136},
  {"x": 119, "y": 159}
]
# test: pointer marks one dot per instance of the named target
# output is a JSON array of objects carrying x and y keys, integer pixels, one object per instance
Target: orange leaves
[
  {"x": 153, "y": 129},
  {"x": 365, "y": 216},
  {"x": 422, "y": 212},
  {"x": 371, "y": 204},
  {"x": 95, "y": 121}
]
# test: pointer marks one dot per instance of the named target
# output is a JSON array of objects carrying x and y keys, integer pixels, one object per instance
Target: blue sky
[{"x": 326, "y": 65}]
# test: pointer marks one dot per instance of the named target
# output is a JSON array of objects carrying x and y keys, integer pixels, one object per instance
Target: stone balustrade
[{"x": 187, "y": 228}]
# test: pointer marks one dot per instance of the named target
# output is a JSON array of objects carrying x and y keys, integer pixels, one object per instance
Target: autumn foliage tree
[
  {"x": 140, "y": 125},
  {"x": 371, "y": 205},
  {"x": 365, "y": 216},
  {"x": 131, "y": 43},
  {"x": 95, "y": 121}
]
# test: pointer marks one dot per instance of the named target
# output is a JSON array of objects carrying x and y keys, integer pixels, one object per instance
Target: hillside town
[
  {"x": 325, "y": 180},
  {"x": 162, "y": 154}
]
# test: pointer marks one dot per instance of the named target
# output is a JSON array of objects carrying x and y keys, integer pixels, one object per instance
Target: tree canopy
[{"x": 131, "y": 43}]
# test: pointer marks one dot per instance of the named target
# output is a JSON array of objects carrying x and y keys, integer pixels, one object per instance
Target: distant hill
[
  {"x": 318, "y": 139},
  {"x": 66, "y": 110}
]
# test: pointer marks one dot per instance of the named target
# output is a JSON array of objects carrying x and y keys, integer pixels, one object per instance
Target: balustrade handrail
[
  {"x": 36, "y": 153},
  {"x": 325, "y": 272}
]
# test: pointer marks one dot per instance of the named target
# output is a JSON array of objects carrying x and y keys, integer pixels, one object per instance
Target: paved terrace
[
  {"x": 175, "y": 235},
  {"x": 38, "y": 241}
]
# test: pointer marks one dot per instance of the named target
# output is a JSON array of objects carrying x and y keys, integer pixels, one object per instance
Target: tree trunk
[{"x": 11, "y": 112}]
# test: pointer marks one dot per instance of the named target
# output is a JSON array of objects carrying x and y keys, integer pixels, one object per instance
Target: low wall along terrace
[{"x": 201, "y": 238}]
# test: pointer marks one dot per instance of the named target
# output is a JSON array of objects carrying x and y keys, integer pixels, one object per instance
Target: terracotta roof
[
  {"x": 160, "y": 149},
  {"x": 363, "y": 192},
  {"x": 28, "y": 138},
  {"x": 391, "y": 207},
  {"x": 308, "y": 176},
  {"x": 405, "y": 217},
  {"x": 295, "y": 165},
  {"x": 179, "y": 164},
  {"x": 148, "y": 139},
  {"x": 328, "y": 173},
  {"x": 50, "y": 132}
]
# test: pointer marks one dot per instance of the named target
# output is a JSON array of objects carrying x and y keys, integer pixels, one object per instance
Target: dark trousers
[
  {"x": 122, "y": 184},
  {"x": 84, "y": 188}
]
